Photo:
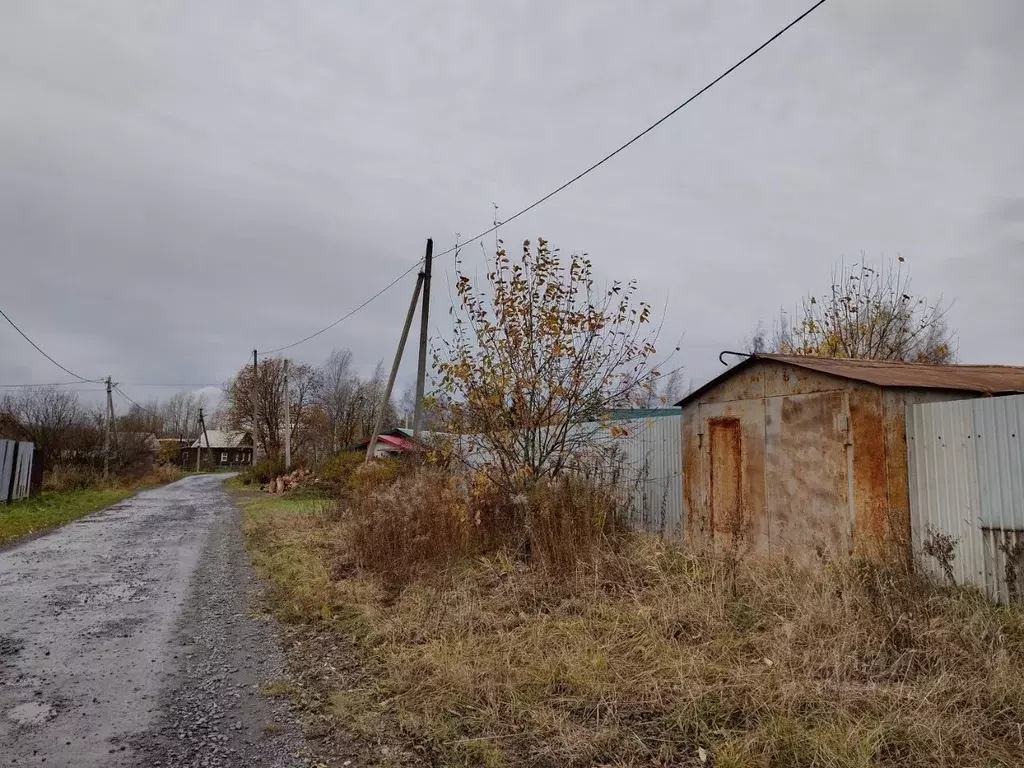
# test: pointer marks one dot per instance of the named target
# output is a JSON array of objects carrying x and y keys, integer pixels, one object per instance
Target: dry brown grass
[
  {"x": 409, "y": 522},
  {"x": 648, "y": 655},
  {"x": 76, "y": 477}
]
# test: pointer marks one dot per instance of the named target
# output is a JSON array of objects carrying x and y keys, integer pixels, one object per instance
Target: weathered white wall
[{"x": 966, "y": 474}]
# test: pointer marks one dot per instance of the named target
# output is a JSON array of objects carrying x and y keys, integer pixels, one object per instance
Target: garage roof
[{"x": 981, "y": 379}]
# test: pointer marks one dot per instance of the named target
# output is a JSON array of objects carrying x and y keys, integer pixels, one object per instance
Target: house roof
[
  {"x": 220, "y": 439},
  {"x": 980, "y": 379},
  {"x": 394, "y": 438}
]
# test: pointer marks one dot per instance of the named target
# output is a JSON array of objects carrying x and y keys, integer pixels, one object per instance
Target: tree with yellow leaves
[
  {"x": 538, "y": 352},
  {"x": 869, "y": 313}
]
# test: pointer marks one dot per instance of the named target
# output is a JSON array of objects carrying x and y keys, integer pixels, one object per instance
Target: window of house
[{"x": 223, "y": 457}]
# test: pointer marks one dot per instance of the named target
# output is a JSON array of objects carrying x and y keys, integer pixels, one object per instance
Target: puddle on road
[{"x": 30, "y": 713}]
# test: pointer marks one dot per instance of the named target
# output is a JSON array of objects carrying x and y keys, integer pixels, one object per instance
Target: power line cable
[
  {"x": 642, "y": 133},
  {"x": 40, "y": 351},
  {"x": 140, "y": 407},
  {"x": 575, "y": 178},
  {"x": 345, "y": 317}
]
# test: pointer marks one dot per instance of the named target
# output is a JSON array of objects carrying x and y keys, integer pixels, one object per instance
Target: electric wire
[
  {"x": 40, "y": 351},
  {"x": 575, "y": 178}
]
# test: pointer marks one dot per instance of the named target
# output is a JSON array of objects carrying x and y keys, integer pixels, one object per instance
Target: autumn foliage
[
  {"x": 869, "y": 313},
  {"x": 538, "y": 351}
]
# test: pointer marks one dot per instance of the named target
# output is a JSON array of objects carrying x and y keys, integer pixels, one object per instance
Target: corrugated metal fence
[
  {"x": 966, "y": 472},
  {"x": 652, "y": 453},
  {"x": 644, "y": 454},
  {"x": 15, "y": 469}
]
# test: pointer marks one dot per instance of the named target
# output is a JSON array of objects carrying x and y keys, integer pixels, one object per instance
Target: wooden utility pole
[
  {"x": 394, "y": 369},
  {"x": 108, "y": 423},
  {"x": 255, "y": 410},
  {"x": 287, "y": 422},
  {"x": 202, "y": 423},
  {"x": 199, "y": 440},
  {"x": 421, "y": 368}
]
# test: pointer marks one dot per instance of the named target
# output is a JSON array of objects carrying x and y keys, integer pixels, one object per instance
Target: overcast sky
[{"x": 184, "y": 180}]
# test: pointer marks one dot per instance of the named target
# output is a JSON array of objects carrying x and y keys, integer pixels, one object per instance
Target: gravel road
[{"x": 127, "y": 639}]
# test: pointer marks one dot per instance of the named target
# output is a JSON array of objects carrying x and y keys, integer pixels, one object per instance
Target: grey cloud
[{"x": 182, "y": 181}]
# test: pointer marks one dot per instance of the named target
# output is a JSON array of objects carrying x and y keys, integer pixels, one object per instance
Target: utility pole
[
  {"x": 108, "y": 422},
  {"x": 255, "y": 410},
  {"x": 287, "y": 422},
  {"x": 202, "y": 423},
  {"x": 394, "y": 368},
  {"x": 421, "y": 369},
  {"x": 199, "y": 441}
]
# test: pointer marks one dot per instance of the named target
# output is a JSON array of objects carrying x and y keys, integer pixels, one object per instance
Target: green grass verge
[{"x": 54, "y": 508}]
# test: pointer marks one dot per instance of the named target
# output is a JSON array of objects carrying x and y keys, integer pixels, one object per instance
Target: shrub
[
  {"x": 406, "y": 520},
  {"x": 71, "y": 477},
  {"x": 335, "y": 472},
  {"x": 404, "y": 525},
  {"x": 571, "y": 518},
  {"x": 262, "y": 472}
]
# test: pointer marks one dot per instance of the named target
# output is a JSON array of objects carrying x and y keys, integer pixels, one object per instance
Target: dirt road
[{"x": 127, "y": 639}]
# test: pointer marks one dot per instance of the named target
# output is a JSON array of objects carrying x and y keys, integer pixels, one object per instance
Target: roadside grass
[
  {"x": 52, "y": 508},
  {"x": 234, "y": 483},
  {"x": 647, "y": 655}
]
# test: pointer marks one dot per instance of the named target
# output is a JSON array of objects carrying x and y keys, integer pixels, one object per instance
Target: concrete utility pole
[
  {"x": 421, "y": 369},
  {"x": 255, "y": 410},
  {"x": 108, "y": 423},
  {"x": 287, "y": 422},
  {"x": 394, "y": 369}
]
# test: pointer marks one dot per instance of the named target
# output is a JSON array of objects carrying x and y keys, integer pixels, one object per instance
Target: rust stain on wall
[
  {"x": 726, "y": 496},
  {"x": 870, "y": 493},
  {"x": 693, "y": 514}
]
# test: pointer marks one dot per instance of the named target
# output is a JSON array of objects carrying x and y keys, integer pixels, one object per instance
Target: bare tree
[
  {"x": 868, "y": 313},
  {"x": 265, "y": 391},
  {"x": 50, "y": 417},
  {"x": 674, "y": 388},
  {"x": 181, "y": 415},
  {"x": 757, "y": 341},
  {"x": 146, "y": 419},
  {"x": 335, "y": 395},
  {"x": 369, "y": 400},
  {"x": 406, "y": 409}
]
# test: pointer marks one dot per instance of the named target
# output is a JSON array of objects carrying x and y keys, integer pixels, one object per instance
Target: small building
[
  {"x": 807, "y": 455},
  {"x": 226, "y": 449},
  {"x": 393, "y": 442}
]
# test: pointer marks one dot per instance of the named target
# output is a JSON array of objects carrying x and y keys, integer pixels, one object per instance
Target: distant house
[
  {"x": 226, "y": 449},
  {"x": 394, "y": 442}
]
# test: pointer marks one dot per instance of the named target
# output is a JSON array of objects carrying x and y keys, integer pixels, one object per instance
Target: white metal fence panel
[
  {"x": 7, "y": 449},
  {"x": 23, "y": 471},
  {"x": 966, "y": 473},
  {"x": 652, "y": 453},
  {"x": 644, "y": 454}
]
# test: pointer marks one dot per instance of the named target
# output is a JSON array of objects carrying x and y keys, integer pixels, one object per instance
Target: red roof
[{"x": 397, "y": 442}]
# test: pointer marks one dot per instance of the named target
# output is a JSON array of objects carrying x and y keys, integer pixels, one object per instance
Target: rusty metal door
[
  {"x": 809, "y": 460},
  {"x": 732, "y": 443}
]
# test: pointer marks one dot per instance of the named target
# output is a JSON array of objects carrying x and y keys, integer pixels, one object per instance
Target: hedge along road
[{"x": 126, "y": 639}]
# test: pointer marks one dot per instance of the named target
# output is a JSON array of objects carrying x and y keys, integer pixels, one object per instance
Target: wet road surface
[{"x": 127, "y": 639}]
